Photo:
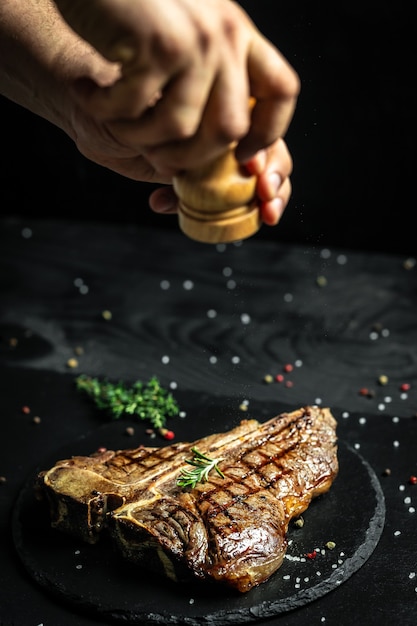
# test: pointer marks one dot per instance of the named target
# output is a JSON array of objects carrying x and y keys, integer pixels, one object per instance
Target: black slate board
[{"x": 94, "y": 580}]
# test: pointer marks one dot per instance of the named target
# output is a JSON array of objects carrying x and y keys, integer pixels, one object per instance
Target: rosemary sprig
[
  {"x": 202, "y": 467},
  {"x": 147, "y": 401}
]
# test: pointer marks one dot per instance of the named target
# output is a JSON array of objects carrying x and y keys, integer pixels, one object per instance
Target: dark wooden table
[{"x": 211, "y": 322}]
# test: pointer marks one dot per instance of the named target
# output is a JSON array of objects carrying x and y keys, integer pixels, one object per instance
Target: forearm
[{"x": 40, "y": 56}]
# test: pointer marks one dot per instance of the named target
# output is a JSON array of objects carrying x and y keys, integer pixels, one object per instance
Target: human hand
[{"x": 185, "y": 72}]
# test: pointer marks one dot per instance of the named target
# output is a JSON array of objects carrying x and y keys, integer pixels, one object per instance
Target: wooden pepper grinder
[{"x": 217, "y": 202}]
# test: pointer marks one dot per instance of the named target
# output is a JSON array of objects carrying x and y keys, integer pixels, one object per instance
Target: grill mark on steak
[{"x": 232, "y": 529}]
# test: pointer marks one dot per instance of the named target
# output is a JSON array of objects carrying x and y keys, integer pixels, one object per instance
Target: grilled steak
[{"x": 229, "y": 529}]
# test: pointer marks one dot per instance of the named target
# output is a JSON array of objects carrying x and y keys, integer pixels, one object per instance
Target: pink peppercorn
[
  {"x": 167, "y": 434},
  {"x": 413, "y": 480},
  {"x": 289, "y": 384},
  {"x": 405, "y": 387},
  {"x": 279, "y": 378},
  {"x": 288, "y": 367},
  {"x": 25, "y": 410},
  {"x": 311, "y": 555}
]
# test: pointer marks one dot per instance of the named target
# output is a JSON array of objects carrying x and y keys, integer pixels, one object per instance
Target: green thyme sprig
[
  {"x": 202, "y": 466},
  {"x": 148, "y": 401}
]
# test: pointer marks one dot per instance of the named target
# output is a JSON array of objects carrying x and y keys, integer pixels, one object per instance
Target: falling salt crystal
[
  {"x": 165, "y": 284},
  {"x": 318, "y": 401},
  {"x": 298, "y": 363},
  {"x": 385, "y": 332},
  {"x": 173, "y": 384},
  {"x": 213, "y": 360},
  {"x": 412, "y": 575},
  {"x": 395, "y": 420},
  {"x": 288, "y": 297},
  {"x": 396, "y": 444},
  {"x": 341, "y": 259},
  {"x": 191, "y": 601},
  {"x": 165, "y": 359},
  {"x": 345, "y": 414},
  {"x": 401, "y": 487},
  {"x": 387, "y": 399},
  {"x": 183, "y": 414},
  {"x": 286, "y": 577},
  {"x": 227, "y": 271},
  {"x": 373, "y": 336},
  {"x": 407, "y": 500},
  {"x": 235, "y": 359},
  {"x": 84, "y": 289},
  {"x": 381, "y": 407},
  {"x": 188, "y": 285},
  {"x": 325, "y": 253},
  {"x": 78, "y": 567},
  {"x": 357, "y": 446},
  {"x": 362, "y": 420},
  {"x": 397, "y": 533},
  {"x": 26, "y": 233},
  {"x": 231, "y": 284},
  {"x": 221, "y": 247},
  {"x": 411, "y": 509},
  {"x": 78, "y": 282},
  {"x": 245, "y": 318},
  {"x": 211, "y": 313}
]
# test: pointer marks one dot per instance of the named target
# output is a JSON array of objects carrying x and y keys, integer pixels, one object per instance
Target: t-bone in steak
[{"x": 231, "y": 528}]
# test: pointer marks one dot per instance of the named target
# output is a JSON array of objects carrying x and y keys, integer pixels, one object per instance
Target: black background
[{"x": 352, "y": 138}]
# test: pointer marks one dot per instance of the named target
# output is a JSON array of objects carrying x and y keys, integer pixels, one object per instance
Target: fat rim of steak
[{"x": 230, "y": 530}]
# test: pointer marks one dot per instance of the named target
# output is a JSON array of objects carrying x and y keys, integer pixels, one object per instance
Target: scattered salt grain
[
  {"x": 26, "y": 233},
  {"x": 211, "y": 313},
  {"x": 188, "y": 285},
  {"x": 165, "y": 359},
  {"x": 165, "y": 284}
]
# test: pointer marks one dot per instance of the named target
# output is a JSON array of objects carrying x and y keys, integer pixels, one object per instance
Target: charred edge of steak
[{"x": 230, "y": 530}]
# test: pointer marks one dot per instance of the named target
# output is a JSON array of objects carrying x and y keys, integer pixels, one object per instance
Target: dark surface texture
[{"x": 211, "y": 322}]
